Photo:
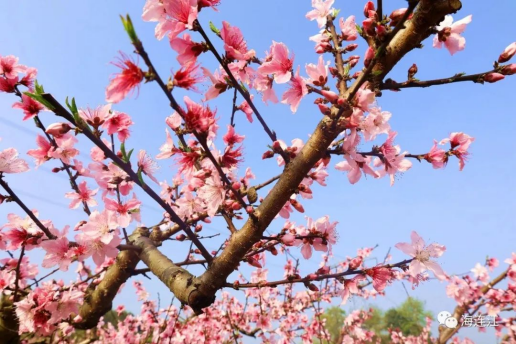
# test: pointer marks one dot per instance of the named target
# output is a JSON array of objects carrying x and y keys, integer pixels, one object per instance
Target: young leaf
[{"x": 214, "y": 29}]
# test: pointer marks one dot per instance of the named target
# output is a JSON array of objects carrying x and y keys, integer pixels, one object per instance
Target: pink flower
[
  {"x": 98, "y": 248},
  {"x": 10, "y": 163},
  {"x": 100, "y": 226},
  {"x": 64, "y": 150},
  {"x": 84, "y": 195},
  {"x": 57, "y": 253},
  {"x": 8, "y": 85},
  {"x": 508, "y": 53},
  {"x": 232, "y": 137},
  {"x": 213, "y": 194},
  {"x": 199, "y": 118},
  {"x": 381, "y": 276},
  {"x": 173, "y": 16},
  {"x": 422, "y": 255},
  {"x": 147, "y": 165},
  {"x": 449, "y": 34},
  {"x": 320, "y": 12},
  {"x": 187, "y": 49},
  {"x": 118, "y": 122},
  {"x": 364, "y": 98},
  {"x": 278, "y": 63},
  {"x": 29, "y": 106},
  {"x": 174, "y": 121},
  {"x": 322, "y": 42},
  {"x": 437, "y": 156},
  {"x": 354, "y": 165},
  {"x": 188, "y": 205},
  {"x": 263, "y": 83},
  {"x": 40, "y": 154},
  {"x": 348, "y": 28},
  {"x": 246, "y": 108},
  {"x": 58, "y": 129},
  {"x": 219, "y": 83},
  {"x": 460, "y": 143},
  {"x": 318, "y": 73},
  {"x": 124, "y": 82},
  {"x": 375, "y": 123},
  {"x": 127, "y": 212},
  {"x": 9, "y": 66},
  {"x": 167, "y": 149},
  {"x": 95, "y": 117},
  {"x": 234, "y": 43},
  {"x": 187, "y": 77},
  {"x": 295, "y": 93}
]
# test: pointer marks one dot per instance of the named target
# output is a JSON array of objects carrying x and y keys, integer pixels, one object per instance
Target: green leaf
[
  {"x": 377, "y": 72},
  {"x": 140, "y": 177},
  {"x": 129, "y": 155},
  {"x": 359, "y": 29},
  {"x": 129, "y": 28},
  {"x": 40, "y": 99},
  {"x": 38, "y": 88},
  {"x": 214, "y": 29},
  {"x": 243, "y": 87},
  {"x": 122, "y": 149}
]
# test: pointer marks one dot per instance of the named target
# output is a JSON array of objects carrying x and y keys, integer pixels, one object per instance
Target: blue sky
[{"x": 471, "y": 212}]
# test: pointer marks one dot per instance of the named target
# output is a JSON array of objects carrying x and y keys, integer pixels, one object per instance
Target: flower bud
[
  {"x": 510, "y": 69},
  {"x": 350, "y": 47},
  {"x": 249, "y": 209},
  {"x": 331, "y": 96},
  {"x": 313, "y": 287},
  {"x": 334, "y": 72},
  {"x": 2, "y": 199},
  {"x": 396, "y": 16},
  {"x": 369, "y": 27},
  {"x": 236, "y": 185},
  {"x": 297, "y": 205},
  {"x": 180, "y": 237},
  {"x": 198, "y": 228},
  {"x": 197, "y": 251},
  {"x": 276, "y": 145},
  {"x": 356, "y": 75},
  {"x": 288, "y": 239},
  {"x": 236, "y": 206},
  {"x": 56, "y": 170},
  {"x": 369, "y": 55},
  {"x": 508, "y": 53},
  {"x": 353, "y": 60},
  {"x": 493, "y": 77},
  {"x": 324, "y": 109},
  {"x": 273, "y": 251},
  {"x": 58, "y": 129},
  {"x": 412, "y": 71},
  {"x": 267, "y": 155},
  {"x": 367, "y": 8},
  {"x": 381, "y": 31}
]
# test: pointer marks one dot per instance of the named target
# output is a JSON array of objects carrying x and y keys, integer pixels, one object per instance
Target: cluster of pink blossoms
[{"x": 208, "y": 184}]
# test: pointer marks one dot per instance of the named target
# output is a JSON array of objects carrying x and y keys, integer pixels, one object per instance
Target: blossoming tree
[{"x": 210, "y": 180}]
